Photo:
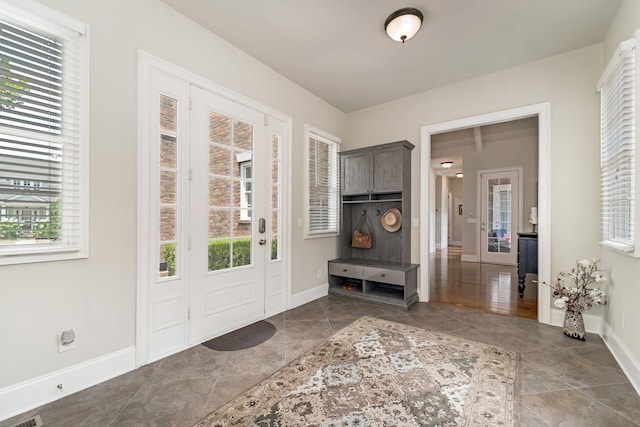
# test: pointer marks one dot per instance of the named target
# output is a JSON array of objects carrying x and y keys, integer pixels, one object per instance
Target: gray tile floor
[{"x": 564, "y": 382}]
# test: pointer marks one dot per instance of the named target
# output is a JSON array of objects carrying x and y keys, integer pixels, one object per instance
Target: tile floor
[{"x": 564, "y": 382}]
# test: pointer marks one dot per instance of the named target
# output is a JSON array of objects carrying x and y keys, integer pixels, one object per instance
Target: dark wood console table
[{"x": 527, "y": 257}]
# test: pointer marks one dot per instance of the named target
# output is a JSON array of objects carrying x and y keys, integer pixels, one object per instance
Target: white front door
[
  {"x": 232, "y": 229},
  {"x": 213, "y": 246},
  {"x": 499, "y": 217}
]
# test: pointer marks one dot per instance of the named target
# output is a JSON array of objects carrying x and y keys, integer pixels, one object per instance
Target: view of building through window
[{"x": 32, "y": 136}]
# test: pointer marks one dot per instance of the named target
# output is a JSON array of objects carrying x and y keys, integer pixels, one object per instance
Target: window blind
[
  {"x": 40, "y": 131},
  {"x": 618, "y": 110},
  {"x": 323, "y": 185}
]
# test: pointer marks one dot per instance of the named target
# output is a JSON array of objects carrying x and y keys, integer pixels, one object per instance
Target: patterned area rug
[{"x": 380, "y": 373}]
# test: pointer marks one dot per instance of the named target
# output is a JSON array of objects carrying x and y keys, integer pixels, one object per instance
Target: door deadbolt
[{"x": 263, "y": 242}]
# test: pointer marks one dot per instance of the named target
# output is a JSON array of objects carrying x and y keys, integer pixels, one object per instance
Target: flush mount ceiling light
[
  {"x": 403, "y": 24},
  {"x": 446, "y": 165},
  {"x": 459, "y": 174}
]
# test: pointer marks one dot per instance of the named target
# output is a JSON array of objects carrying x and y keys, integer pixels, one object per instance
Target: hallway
[{"x": 488, "y": 287}]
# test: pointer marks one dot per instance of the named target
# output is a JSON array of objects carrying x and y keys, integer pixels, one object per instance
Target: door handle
[
  {"x": 262, "y": 242},
  {"x": 261, "y": 225}
]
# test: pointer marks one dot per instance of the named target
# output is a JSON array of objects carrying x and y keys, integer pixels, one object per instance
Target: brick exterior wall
[{"x": 227, "y": 139}]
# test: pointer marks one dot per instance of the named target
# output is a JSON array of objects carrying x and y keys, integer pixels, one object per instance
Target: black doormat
[{"x": 246, "y": 337}]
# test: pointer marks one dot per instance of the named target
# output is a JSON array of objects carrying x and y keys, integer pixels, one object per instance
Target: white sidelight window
[
  {"x": 321, "y": 183},
  {"x": 43, "y": 134}
]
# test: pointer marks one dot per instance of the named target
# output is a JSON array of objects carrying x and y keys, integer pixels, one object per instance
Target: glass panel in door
[
  {"x": 168, "y": 187},
  {"x": 230, "y": 192},
  {"x": 499, "y": 215},
  {"x": 276, "y": 140}
]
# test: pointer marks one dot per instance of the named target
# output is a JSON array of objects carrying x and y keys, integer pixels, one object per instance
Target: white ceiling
[{"x": 337, "y": 49}]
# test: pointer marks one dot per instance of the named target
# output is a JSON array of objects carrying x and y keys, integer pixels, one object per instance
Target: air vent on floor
[{"x": 35, "y": 421}]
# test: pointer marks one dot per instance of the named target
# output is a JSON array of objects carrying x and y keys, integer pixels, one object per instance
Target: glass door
[
  {"x": 228, "y": 215},
  {"x": 499, "y": 217}
]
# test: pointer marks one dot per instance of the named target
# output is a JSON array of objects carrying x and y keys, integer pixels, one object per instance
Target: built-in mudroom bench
[
  {"x": 376, "y": 281},
  {"x": 375, "y": 191}
]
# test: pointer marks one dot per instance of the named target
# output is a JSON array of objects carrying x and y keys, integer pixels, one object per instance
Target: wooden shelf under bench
[{"x": 376, "y": 281}]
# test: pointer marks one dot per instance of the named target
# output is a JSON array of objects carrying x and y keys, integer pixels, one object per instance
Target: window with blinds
[
  {"x": 322, "y": 187},
  {"x": 43, "y": 152},
  {"x": 619, "y": 157}
]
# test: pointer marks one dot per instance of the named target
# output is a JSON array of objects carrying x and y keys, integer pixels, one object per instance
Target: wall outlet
[
  {"x": 62, "y": 347},
  {"x": 319, "y": 273}
]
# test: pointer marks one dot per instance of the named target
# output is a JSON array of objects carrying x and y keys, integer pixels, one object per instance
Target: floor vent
[{"x": 35, "y": 421}]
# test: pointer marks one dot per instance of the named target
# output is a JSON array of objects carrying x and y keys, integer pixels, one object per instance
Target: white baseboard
[
  {"x": 468, "y": 258},
  {"x": 30, "y": 394},
  {"x": 309, "y": 295},
  {"x": 440, "y": 246},
  {"x": 623, "y": 356},
  {"x": 455, "y": 243},
  {"x": 592, "y": 323}
]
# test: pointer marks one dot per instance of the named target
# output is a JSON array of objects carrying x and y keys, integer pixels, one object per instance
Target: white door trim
[
  {"x": 147, "y": 62},
  {"x": 543, "y": 112}
]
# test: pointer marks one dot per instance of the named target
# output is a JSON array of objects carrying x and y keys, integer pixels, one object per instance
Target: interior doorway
[{"x": 542, "y": 113}]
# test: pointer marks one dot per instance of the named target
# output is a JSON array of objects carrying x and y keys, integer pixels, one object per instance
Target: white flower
[
  {"x": 585, "y": 262},
  {"x": 560, "y": 303}
]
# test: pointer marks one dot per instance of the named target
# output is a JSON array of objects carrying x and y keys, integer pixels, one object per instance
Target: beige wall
[
  {"x": 567, "y": 82},
  {"x": 623, "y": 286},
  {"x": 97, "y": 296}
]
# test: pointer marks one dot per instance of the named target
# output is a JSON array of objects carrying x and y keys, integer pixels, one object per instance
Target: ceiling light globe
[{"x": 403, "y": 24}]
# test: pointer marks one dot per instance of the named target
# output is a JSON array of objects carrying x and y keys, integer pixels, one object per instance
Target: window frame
[
  {"x": 29, "y": 13},
  {"x": 245, "y": 206},
  {"x": 631, "y": 245},
  {"x": 322, "y": 136}
]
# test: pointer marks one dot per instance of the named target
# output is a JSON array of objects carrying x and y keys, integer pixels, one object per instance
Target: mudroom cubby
[{"x": 373, "y": 181}]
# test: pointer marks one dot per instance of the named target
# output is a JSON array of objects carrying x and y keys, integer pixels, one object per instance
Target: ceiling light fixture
[
  {"x": 459, "y": 175},
  {"x": 446, "y": 165},
  {"x": 403, "y": 24}
]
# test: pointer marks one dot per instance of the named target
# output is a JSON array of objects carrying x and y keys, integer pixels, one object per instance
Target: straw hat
[{"x": 391, "y": 220}]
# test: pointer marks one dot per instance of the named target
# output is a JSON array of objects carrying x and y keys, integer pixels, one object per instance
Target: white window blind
[
  {"x": 43, "y": 151},
  {"x": 618, "y": 148},
  {"x": 322, "y": 184}
]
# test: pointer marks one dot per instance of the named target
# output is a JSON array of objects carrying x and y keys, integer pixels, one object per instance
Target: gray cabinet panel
[
  {"x": 387, "y": 170},
  {"x": 384, "y": 275},
  {"x": 355, "y": 177},
  {"x": 346, "y": 270}
]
